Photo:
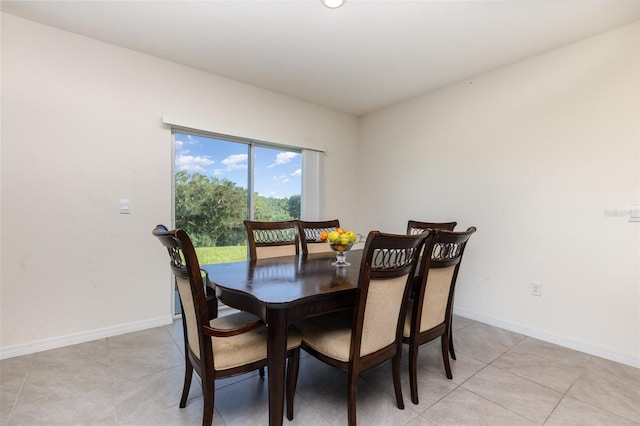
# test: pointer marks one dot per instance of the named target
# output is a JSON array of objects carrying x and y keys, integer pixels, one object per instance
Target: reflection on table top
[{"x": 287, "y": 279}]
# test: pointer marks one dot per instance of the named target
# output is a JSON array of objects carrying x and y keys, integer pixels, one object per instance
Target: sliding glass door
[{"x": 220, "y": 182}]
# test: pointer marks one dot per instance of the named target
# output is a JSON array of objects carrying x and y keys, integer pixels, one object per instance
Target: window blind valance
[{"x": 212, "y": 128}]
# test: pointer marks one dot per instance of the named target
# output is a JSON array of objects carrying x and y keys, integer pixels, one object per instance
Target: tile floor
[{"x": 500, "y": 378}]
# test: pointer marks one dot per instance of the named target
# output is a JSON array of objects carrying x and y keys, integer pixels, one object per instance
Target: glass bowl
[{"x": 341, "y": 252}]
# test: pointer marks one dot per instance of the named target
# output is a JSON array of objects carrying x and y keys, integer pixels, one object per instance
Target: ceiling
[{"x": 359, "y": 58}]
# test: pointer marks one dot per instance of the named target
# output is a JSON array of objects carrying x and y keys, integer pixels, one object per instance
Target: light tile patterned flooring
[{"x": 500, "y": 378}]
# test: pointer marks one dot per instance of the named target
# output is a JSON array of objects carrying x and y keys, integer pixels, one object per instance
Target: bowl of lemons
[{"x": 340, "y": 242}]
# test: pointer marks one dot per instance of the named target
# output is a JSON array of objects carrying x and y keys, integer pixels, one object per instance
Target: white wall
[
  {"x": 533, "y": 155},
  {"x": 81, "y": 129}
]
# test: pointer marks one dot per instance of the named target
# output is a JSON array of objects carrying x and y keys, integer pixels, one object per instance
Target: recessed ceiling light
[{"x": 333, "y": 4}]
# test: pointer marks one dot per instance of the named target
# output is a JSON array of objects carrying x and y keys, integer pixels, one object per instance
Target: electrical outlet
[{"x": 536, "y": 288}]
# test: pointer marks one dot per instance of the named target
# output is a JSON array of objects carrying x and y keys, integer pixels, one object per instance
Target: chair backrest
[
  {"x": 386, "y": 272},
  {"x": 416, "y": 227},
  {"x": 310, "y": 235},
  {"x": 272, "y": 239},
  {"x": 195, "y": 312},
  {"x": 434, "y": 299}
]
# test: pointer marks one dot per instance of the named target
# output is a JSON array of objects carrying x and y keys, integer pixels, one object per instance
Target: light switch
[
  {"x": 634, "y": 214},
  {"x": 125, "y": 207}
]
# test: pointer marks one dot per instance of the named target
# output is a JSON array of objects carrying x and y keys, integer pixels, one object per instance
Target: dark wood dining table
[{"x": 282, "y": 291}]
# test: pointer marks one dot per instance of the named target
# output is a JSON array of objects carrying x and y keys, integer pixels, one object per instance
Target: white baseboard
[
  {"x": 72, "y": 339},
  {"x": 551, "y": 338}
]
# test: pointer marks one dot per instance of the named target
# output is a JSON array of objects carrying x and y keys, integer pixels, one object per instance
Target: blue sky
[{"x": 277, "y": 173}]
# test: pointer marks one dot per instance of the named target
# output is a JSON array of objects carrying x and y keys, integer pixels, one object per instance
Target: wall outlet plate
[{"x": 125, "y": 206}]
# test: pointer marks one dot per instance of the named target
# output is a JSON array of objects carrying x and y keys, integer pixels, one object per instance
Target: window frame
[{"x": 311, "y": 200}]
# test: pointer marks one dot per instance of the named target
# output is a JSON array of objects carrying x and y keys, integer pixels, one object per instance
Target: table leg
[{"x": 277, "y": 332}]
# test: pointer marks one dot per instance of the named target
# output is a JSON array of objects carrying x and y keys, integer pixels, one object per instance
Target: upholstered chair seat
[
  {"x": 329, "y": 334},
  {"x": 245, "y": 348}
]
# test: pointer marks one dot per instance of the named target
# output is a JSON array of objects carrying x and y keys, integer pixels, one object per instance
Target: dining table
[{"x": 282, "y": 291}]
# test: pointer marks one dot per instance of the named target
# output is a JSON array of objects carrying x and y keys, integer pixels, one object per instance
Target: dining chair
[
  {"x": 212, "y": 299},
  {"x": 429, "y": 313},
  {"x": 310, "y": 235},
  {"x": 418, "y": 227},
  {"x": 371, "y": 333},
  {"x": 272, "y": 239},
  {"x": 221, "y": 347}
]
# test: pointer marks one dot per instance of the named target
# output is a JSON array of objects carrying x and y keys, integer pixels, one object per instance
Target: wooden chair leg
[
  {"x": 444, "y": 339},
  {"x": 292, "y": 380},
  {"x": 188, "y": 374},
  {"x": 450, "y": 332},
  {"x": 397, "y": 383},
  {"x": 208, "y": 394},
  {"x": 352, "y": 389},
  {"x": 451, "y": 351},
  {"x": 413, "y": 371}
]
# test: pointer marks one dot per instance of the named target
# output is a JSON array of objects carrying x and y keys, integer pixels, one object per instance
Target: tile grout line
[
  {"x": 488, "y": 400},
  {"x": 509, "y": 349},
  {"x": 533, "y": 381},
  {"x": 15, "y": 402}
]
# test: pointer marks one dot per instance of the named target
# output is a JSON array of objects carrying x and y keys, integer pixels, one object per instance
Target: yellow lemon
[
  {"x": 345, "y": 240},
  {"x": 333, "y": 235}
]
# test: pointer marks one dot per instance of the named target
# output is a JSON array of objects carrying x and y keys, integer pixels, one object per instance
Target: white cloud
[
  {"x": 298, "y": 172},
  {"x": 284, "y": 158},
  {"x": 181, "y": 145},
  {"x": 281, "y": 178},
  {"x": 193, "y": 164},
  {"x": 235, "y": 162}
]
